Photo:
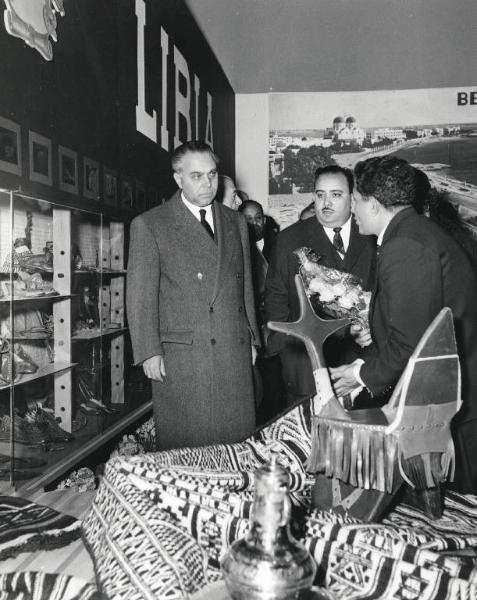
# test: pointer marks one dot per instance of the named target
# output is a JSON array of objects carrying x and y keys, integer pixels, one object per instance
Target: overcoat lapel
[
  {"x": 193, "y": 235},
  {"x": 224, "y": 235}
]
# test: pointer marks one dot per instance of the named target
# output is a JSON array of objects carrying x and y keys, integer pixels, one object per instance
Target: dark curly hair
[
  {"x": 335, "y": 170},
  {"x": 391, "y": 180}
]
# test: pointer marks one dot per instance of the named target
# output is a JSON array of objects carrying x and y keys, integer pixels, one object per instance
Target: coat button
[
  {"x": 199, "y": 276},
  {"x": 213, "y": 341},
  {"x": 211, "y": 309},
  {"x": 240, "y": 308}
]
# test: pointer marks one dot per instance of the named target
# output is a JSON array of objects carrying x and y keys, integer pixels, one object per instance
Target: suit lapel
[
  {"x": 355, "y": 247},
  {"x": 319, "y": 239}
]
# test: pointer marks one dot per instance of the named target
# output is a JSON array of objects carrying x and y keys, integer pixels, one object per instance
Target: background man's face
[
  {"x": 231, "y": 198},
  {"x": 361, "y": 208},
  {"x": 255, "y": 221},
  {"x": 332, "y": 199},
  {"x": 197, "y": 178}
]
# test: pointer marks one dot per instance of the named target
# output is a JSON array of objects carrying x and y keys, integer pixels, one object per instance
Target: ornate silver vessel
[{"x": 269, "y": 563}]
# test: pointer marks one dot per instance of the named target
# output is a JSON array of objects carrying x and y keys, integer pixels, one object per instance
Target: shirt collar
[
  {"x": 195, "y": 209},
  {"x": 345, "y": 233}
]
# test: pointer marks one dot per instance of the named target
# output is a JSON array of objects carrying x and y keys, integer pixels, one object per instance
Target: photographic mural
[{"x": 434, "y": 129}]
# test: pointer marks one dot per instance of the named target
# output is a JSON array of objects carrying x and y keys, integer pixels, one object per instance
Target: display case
[{"x": 67, "y": 383}]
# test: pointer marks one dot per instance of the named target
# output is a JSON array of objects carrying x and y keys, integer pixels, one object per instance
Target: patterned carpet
[
  {"x": 161, "y": 522},
  {"x": 26, "y": 527},
  {"x": 29, "y": 528}
]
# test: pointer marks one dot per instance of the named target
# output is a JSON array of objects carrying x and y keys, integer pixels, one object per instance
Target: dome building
[{"x": 347, "y": 131}]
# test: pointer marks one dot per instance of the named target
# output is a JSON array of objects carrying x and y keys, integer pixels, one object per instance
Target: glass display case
[{"x": 67, "y": 384}]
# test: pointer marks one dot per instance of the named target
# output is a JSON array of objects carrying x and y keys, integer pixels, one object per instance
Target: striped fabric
[
  {"x": 161, "y": 522},
  {"x": 44, "y": 586},
  {"x": 26, "y": 527}
]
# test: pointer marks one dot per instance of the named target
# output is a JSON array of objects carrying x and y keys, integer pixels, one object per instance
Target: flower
[{"x": 332, "y": 291}]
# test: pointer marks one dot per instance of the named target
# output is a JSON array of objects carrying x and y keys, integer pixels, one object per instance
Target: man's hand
[
  {"x": 361, "y": 335},
  {"x": 154, "y": 367},
  {"x": 343, "y": 379}
]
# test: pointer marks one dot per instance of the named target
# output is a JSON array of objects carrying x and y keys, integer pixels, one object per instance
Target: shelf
[
  {"x": 94, "y": 334},
  {"x": 99, "y": 272},
  {"x": 50, "y": 369},
  {"x": 37, "y": 298},
  {"x": 70, "y": 457},
  {"x": 29, "y": 337}
]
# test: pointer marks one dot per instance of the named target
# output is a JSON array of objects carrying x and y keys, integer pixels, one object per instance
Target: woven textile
[
  {"x": 26, "y": 527},
  {"x": 43, "y": 586},
  {"x": 161, "y": 522}
]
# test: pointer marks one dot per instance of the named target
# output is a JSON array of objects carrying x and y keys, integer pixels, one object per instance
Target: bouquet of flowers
[{"x": 331, "y": 291}]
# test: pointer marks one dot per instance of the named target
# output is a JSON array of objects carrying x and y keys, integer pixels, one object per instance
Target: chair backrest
[{"x": 430, "y": 387}]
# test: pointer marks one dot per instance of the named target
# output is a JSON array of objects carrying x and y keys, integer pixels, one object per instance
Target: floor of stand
[{"x": 71, "y": 560}]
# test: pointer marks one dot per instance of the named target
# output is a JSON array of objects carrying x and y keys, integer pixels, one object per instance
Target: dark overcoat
[
  {"x": 190, "y": 299},
  {"x": 281, "y": 299}
]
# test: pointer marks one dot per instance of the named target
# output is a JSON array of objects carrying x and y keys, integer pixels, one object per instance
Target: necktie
[
  {"x": 205, "y": 223},
  {"x": 338, "y": 240}
]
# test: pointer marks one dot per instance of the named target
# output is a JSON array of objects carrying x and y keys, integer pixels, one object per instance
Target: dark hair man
[
  {"x": 335, "y": 238},
  {"x": 421, "y": 269},
  {"x": 269, "y": 385},
  {"x": 191, "y": 309}
]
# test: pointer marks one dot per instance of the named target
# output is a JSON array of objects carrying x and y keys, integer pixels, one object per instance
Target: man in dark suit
[
  {"x": 421, "y": 269},
  {"x": 269, "y": 385},
  {"x": 191, "y": 310},
  {"x": 334, "y": 236}
]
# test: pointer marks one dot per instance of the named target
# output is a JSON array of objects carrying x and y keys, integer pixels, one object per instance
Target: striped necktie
[{"x": 338, "y": 241}]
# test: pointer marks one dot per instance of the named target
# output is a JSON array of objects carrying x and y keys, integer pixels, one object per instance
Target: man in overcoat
[
  {"x": 190, "y": 308},
  {"x": 333, "y": 187},
  {"x": 421, "y": 269}
]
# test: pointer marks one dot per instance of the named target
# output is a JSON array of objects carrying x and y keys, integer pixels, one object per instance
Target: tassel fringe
[{"x": 366, "y": 457}]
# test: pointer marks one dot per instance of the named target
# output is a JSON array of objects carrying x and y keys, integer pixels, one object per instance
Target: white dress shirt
[
  {"x": 345, "y": 233},
  {"x": 209, "y": 217}
]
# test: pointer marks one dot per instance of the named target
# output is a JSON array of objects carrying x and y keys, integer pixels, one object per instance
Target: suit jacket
[
  {"x": 190, "y": 299},
  {"x": 281, "y": 300},
  {"x": 421, "y": 269}
]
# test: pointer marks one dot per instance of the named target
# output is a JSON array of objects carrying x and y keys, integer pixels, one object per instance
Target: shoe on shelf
[
  {"x": 46, "y": 422},
  {"x": 89, "y": 409},
  {"x": 24, "y": 432},
  {"x": 31, "y": 462},
  {"x": 23, "y": 362},
  {"x": 109, "y": 410}
]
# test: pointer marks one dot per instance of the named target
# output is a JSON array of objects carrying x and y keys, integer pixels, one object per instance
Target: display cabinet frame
[{"x": 111, "y": 337}]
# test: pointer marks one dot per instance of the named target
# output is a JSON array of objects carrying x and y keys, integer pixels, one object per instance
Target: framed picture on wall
[
  {"x": 140, "y": 201},
  {"x": 127, "y": 193},
  {"x": 40, "y": 158},
  {"x": 68, "y": 169},
  {"x": 10, "y": 147},
  {"x": 110, "y": 187},
  {"x": 90, "y": 178}
]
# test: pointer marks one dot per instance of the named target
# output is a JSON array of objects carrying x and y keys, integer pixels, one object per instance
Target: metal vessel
[{"x": 269, "y": 563}]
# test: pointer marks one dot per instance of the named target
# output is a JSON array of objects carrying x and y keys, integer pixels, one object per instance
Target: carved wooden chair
[{"x": 363, "y": 457}]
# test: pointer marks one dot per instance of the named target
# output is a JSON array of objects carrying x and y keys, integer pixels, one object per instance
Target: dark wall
[{"x": 85, "y": 98}]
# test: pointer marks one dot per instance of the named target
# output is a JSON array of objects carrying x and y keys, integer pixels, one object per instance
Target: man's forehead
[
  {"x": 198, "y": 161},
  {"x": 252, "y": 210},
  {"x": 335, "y": 181}
]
